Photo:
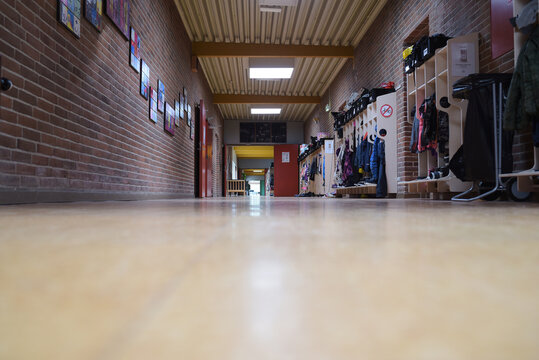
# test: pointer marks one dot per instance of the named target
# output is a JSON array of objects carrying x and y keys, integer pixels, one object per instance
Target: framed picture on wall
[
  {"x": 169, "y": 119},
  {"x": 118, "y": 11},
  {"x": 192, "y": 130},
  {"x": 69, "y": 15},
  {"x": 160, "y": 96},
  {"x": 93, "y": 12},
  {"x": 134, "y": 53},
  {"x": 153, "y": 105},
  {"x": 176, "y": 113},
  {"x": 144, "y": 79},
  {"x": 182, "y": 106},
  {"x": 189, "y": 115}
]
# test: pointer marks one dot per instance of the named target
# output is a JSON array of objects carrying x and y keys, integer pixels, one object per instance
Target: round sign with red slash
[{"x": 386, "y": 110}]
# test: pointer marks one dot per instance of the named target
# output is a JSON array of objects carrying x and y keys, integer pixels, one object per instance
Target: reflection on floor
[{"x": 270, "y": 279}]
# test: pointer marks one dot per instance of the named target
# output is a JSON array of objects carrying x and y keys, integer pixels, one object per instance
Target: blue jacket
[{"x": 374, "y": 159}]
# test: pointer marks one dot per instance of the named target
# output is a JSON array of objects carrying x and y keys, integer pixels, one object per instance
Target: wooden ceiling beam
[
  {"x": 264, "y": 99},
  {"x": 212, "y": 49}
]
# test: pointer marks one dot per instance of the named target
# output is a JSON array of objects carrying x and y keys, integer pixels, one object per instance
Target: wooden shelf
[
  {"x": 436, "y": 76},
  {"x": 367, "y": 189},
  {"x": 424, "y": 186},
  {"x": 427, "y": 180},
  {"x": 521, "y": 174}
]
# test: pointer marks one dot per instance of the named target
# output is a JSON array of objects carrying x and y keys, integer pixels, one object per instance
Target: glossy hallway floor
[{"x": 290, "y": 279}]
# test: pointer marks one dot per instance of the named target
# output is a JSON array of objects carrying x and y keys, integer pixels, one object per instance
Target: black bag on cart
[{"x": 478, "y": 141}]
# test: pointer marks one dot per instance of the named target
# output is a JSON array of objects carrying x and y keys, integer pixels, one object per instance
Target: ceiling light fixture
[
  {"x": 265, "y": 111},
  {"x": 271, "y": 68},
  {"x": 270, "y": 73},
  {"x": 279, "y": 2},
  {"x": 270, "y": 9}
]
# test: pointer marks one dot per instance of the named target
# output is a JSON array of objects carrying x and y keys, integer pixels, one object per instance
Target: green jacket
[{"x": 522, "y": 105}]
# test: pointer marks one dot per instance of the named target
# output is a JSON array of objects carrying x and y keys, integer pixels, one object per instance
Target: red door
[
  {"x": 225, "y": 170},
  {"x": 209, "y": 161},
  {"x": 205, "y": 155},
  {"x": 202, "y": 179},
  {"x": 285, "y": 178}
]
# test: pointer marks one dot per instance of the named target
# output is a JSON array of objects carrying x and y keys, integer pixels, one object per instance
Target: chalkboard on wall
[
  {"x": 247, "y": 132},
  {"x": 278, "y": 133},
  {"x": 264, "y": 133}
]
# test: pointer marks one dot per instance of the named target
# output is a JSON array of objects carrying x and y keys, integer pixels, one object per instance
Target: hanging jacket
[
  {"x": 324, "y": 170},
  {"x": 431, "y": 122},
  {"x": 428, "y": 127},
  {"x": 381, "y": 185},
  {"x": 314, "y": 169},
  {"x": 374, "y": 161},
  {"x": 420, "y": 131},
  {"x": 357, "y": 157},
  {"x": 523, "y": 100},
  {"x": 338, "y": 167},
  {"x": 365, "y": 154},
  {"x": 347, "y": 165},
  {"x": 415, "y": 132},
  {"x": 443, "y": 132}
]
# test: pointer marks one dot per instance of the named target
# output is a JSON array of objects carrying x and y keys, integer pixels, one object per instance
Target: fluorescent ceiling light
[
  {"x": 271, "y": 68},
  {"x": 265, "y": 111},
  {"x": 270, "y": 73},
  {"x": 279, "y": 2},
  {"x": 270, "y": 9}
]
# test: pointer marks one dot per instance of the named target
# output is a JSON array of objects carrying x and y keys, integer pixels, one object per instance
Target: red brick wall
[
  {"x": 75, "y": 121},
  {"x": 378, "y": 58}
]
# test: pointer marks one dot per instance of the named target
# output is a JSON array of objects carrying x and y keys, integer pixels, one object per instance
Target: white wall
[
  {"x": 254, "y": 163},
  {"x": 294, "y": 133},
  {"x": 234, "y": 164}
]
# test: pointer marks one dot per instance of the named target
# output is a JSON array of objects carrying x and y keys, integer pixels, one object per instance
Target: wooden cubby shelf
[{"x": 437, "y": 76}]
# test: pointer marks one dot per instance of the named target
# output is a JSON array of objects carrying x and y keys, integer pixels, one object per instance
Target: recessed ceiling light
[
  {"x": 265, "y": 111},
  {"x": 270, "y": 9},
  {"x": 271, "y": 68},
  {"x": 279, "y": 2},
  {"x": 270, "y": 73}
]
